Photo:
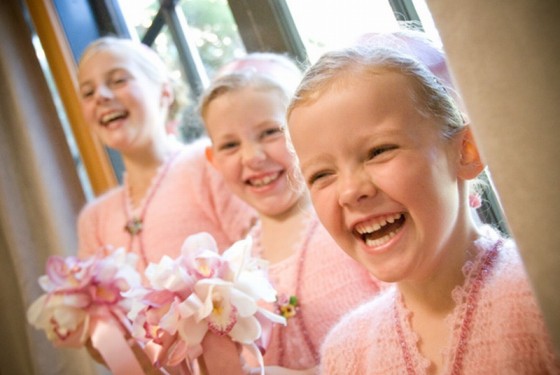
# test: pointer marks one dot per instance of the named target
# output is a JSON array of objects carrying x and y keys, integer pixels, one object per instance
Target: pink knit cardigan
[
  {"x": 190, "y": 198},
  {"x": 330, "y": 285},
  {"x": 507, "y": 336}
]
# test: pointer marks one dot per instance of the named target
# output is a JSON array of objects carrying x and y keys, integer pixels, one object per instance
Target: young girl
[
  {"x": 387, "y": 160},
  {"x": 244, "y": 114},
  {"x": 170, "y": 191}
]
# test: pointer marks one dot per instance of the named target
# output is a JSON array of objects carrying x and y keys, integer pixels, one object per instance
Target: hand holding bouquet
[
  {"x": 83, "y": 302},
  {"x": 203, "y": 291},
  {"x": 185, "y": 298}
]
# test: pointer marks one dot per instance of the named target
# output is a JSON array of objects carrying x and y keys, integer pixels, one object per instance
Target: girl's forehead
[
  {"x": 105, "y": 57},
  {"x": 102, "y": 62}
]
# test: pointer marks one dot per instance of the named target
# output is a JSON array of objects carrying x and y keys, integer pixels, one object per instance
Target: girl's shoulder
[
  {"x": 508, "y": 268},
  {"x": 367, "y": 326},
  {"x": 106, "y": 201},
  {"x": 508, "y": 290},
  {"x": 376, "y": 315},
  {"x": 193, "y": 154}
]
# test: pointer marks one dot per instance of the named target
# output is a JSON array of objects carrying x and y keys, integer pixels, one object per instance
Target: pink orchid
[
  {"x": 80, "y": 290},
  {"x": 203, "y": 291}
]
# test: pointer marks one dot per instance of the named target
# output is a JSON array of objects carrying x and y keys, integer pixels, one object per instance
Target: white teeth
[
  {"x": 259, "y": 182},
  {"x": 380, "y": 241},
  {"x": 111, "y": 116},
  {"x": 370, "y": 228}
]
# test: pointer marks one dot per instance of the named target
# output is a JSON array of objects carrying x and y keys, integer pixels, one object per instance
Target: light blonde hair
[
  {"x": 149, "y": 62},
  {"x": 262, "y": 71},
  {"x": 333, "y": 68}
]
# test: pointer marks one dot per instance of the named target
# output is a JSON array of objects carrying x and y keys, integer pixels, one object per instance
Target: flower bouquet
[
  {"x": 83, "y": 304},
  {"x": 202, "y": 291}
]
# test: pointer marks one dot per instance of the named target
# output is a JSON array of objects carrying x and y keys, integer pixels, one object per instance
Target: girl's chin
[{"x": 272, "y": 207}]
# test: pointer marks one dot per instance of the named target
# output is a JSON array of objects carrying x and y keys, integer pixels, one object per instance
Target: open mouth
[
  {"x": 264, "y": 180},
  {"x": 378, "y": 232},
  {"x": 113, "y": 116}
]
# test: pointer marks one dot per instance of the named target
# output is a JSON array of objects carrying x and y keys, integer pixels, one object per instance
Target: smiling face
[
  {"x": 249, "y": 148},
  {"x": 123, "y": 106},
  {"x": 382, "y": 178}
]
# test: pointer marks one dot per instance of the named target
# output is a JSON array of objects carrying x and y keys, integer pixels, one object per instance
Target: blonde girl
[{"x": 387, "y": 159}]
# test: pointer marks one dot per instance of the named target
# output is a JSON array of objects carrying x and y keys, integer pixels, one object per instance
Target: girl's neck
[
  {"x": 281, "y": 235},
  {"x": 142, "y": 165},
  {"x": 433, "y": 294}
]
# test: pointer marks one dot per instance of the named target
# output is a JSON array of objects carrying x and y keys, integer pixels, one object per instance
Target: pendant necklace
[
  {"x": 482, "y": 272},
  {"x": 135, "y": 223}
]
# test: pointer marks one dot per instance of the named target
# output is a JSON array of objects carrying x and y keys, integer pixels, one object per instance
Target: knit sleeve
[
  {"x": 343, "y": 350},
  {"x": 88, "y": 241},
  {"x": 94, "y": 217},
  {"x": 332, "y": 285},
  {"x": 364, "y": 341}
]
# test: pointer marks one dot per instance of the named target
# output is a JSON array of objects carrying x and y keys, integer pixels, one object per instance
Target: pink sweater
[
  {"x": 190, "y": 198},
  {"x": 507, "y": 336},
  {"x": 330, "y": 284}
]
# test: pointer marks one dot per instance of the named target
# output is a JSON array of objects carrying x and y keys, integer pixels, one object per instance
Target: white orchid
[{"x": 204, "y": 291}]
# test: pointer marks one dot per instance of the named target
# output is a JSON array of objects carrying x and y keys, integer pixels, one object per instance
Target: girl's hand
[
  {"x": 139, "y": 353},
  {"x": 221, "y": 355}
]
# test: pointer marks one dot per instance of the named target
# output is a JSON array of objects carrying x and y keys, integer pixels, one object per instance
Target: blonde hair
[
  {"x": 262, "y": 71},
  {"x": 149, "y": 62},
  {"x": 431, "y": 95}
]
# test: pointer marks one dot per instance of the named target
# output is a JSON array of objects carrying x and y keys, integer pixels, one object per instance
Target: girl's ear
[
  {"x": 209, "y": 155},
  {"x": 470, "y": 163}
]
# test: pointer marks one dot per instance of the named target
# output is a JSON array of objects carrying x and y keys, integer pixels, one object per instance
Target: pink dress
[
  {"x": 187, "y": 196},
  {"x": 506, "y": 334},
  {"x": 327, "y": 284}
]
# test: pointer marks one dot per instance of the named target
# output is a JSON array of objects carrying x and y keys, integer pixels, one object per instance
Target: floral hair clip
[{"x": 475, "y": 201}]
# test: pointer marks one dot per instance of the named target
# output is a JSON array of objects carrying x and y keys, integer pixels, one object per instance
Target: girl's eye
[
  {"x": 86, "y": 93},
  {"x": 228, "y": 146},
  {"x": 118, "y": 81},
  {"x": 315, "y": 177},
  {"x": 376, "y": 151},
  {"x": 272, "y": 131}
]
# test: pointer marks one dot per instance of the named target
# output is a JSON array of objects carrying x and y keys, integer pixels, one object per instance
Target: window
[{"x": 327, "y": 24}]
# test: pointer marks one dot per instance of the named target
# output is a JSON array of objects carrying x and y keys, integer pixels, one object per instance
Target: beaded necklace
[
  {"x": 295, "y": 315},
  {"x": 471, "y": 300},
  {"x": 135, "y": 223}
]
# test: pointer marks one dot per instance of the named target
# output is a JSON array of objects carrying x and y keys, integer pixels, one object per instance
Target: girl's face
[
  {"x": 249, "y": 148},
  {"x": 382, "y": 178},
  {"x": 121, "y": 104}
]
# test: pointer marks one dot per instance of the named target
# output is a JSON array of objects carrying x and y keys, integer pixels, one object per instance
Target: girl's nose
[
  {"x": 355, "y": 186},
  {"x": 103, "y": 93},
  {"x": 253, "y": 155}
]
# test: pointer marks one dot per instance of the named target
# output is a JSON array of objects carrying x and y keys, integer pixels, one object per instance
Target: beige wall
[
  {"x": 40, "y": 195},
  {"x": 505, "y": 57}
]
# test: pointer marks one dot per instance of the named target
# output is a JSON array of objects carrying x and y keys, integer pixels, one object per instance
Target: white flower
[{"x": 203, "y": 290}]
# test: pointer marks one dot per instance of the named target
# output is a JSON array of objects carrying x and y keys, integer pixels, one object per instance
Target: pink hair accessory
[{"x": 475, "y": 200}]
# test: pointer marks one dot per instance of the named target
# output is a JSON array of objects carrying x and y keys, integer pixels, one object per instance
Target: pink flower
[
  {"x": 200, "y": 291},
  {"x": 79, "y": 290}
]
